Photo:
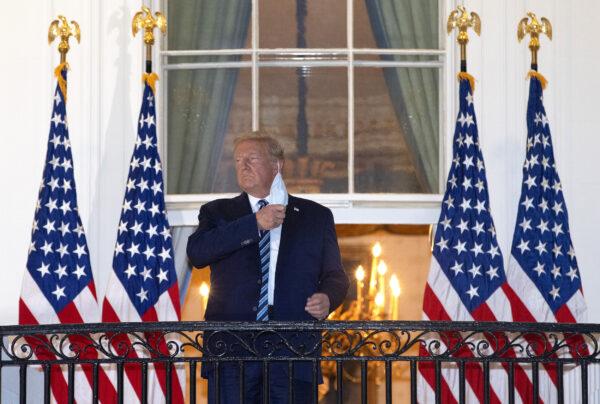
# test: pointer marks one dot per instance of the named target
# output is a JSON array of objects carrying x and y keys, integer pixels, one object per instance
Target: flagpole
[
  {"x": 461, "y": 20},
  {"x": 146, "y": 21},
  {"x": 61, "y": 28},
  {"x": 143, "y": 285},
  {"x": 532, "y": 26}
]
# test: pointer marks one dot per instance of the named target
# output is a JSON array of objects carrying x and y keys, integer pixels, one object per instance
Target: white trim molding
[{"x": 355, "y": 209}]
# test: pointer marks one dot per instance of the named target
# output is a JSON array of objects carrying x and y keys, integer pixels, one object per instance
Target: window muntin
[{"x": 365, "y": 108}]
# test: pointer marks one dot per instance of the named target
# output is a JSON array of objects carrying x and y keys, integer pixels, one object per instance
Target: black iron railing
[{"x": 351, "y": 354}]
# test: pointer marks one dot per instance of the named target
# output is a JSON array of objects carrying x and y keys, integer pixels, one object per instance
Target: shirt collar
[{"x": 254, "y": 200}]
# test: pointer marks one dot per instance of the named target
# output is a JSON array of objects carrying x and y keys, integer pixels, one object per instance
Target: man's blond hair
[{"x": 272, "y": 145}]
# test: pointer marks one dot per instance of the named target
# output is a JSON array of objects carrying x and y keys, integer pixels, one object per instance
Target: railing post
[
  {"x": 290, "y": 382},
  {"x": 144, "y": 395},
  {"x": 535, "y": 377},
  {"x": 242, "y": 382},
  {"x": 71, "y": 384},
  {"x": 169, "y": 383},
  {"x": 388, "y": 382},
  {"x": 47, "y": 375},
  {"x": 23, "y": 384},
  {"x": 584, "y": 382},
  {"x": 363, "y": 382},
  {"x": 413, "y": 382},
  {"x": 461, "y": 383},
  {"x": 438, "y": 382},
  {"x": 511, "y": 382},
  {"x": 315, "y": 374},
  {"x": 265, "y": 382},
  {"x": 339, "y": 365},
  {"x": 120, "y": 382},
  {"x": 560, "y": 382},
  {"x": 95, "y": 383},
  {"x": 193, "y": 382},
  {"x": 217, "y": 382}
]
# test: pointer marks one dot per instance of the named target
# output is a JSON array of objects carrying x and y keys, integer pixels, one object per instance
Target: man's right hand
[{"x": 270, "y": 217}]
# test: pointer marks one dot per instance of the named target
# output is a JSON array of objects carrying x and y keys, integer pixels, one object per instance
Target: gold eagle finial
[
  {"x": 532, "y": 26},
  {"x": 61, "y": 28},
  {"x": 462, "y": 20},
  {"x": 144, "y": 20}
]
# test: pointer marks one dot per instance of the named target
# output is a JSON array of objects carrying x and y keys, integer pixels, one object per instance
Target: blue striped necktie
[{"x": 264, "y": 247}]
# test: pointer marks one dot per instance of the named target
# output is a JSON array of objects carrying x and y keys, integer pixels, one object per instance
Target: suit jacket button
[
  {"x": 258, "y": 281},
  {"x": 254, "y": 308}
]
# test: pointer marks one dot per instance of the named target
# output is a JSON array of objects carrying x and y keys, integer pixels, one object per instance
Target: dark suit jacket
[{"x": 308, "y": 261}]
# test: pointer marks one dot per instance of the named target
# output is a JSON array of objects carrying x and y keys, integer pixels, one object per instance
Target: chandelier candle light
[
  {"x": 395, "y": 288},
  {"x": 381, "y": 270},
  {"x": 376, "y": 252},
  {"x": 360, "y": 285},
  {"x": 204, "y": 292},
  {"x": 375, "y": 306}
]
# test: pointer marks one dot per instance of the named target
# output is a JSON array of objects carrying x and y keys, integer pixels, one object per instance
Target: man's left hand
[{"x": 318, "y": 306}]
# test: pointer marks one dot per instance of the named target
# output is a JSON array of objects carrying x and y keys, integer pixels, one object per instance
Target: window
[{"x": 352, "y": 89}]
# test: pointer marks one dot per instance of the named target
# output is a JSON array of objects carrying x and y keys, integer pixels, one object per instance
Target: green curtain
[
  {"x": 199, "y": 101},
  {"x": 183, "y": 267},
  {"x": 414, "y": 91}
]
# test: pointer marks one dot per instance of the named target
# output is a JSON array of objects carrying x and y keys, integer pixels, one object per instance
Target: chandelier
[{"x": 376, "y": 300}]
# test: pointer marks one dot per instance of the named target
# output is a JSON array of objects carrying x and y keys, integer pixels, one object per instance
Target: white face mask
[{"x": 279, "y": 194}]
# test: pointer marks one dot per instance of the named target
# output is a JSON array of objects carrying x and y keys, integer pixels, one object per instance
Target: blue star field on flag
[
  {"x": 465, "y": 242},
  {"x": 58, "y": 258},
  {"x": 143, "y": 257},
  {"x": 542, "y": 242}
]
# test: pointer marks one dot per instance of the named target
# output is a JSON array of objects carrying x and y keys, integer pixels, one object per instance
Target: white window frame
[{"x": 351, "y": 207}]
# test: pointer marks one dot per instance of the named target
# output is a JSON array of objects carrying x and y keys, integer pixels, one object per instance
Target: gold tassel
[
  {"x": 150, "y": 79},
  {"x": 542, "y": 79},
  {"x": 62, "y": 83},
  {"x": 467, "y": 76}
]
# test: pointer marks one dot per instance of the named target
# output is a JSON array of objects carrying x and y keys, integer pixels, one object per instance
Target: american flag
[
  {"x": 542, "y": 270},
  {"x": 466, "y": 277},
  {"x": 143, "y": 285},
  {"x": 58, "y": 286}
]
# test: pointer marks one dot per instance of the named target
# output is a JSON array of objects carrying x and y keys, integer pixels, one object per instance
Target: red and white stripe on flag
[
  {"x": 544, "y": 282},
  {"x": 466, "y": 279},
  {"x": 58, "y": 285},
  {"x": 143, "y": 284}
]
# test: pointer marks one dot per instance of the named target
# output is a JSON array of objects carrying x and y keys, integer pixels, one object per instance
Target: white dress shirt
[{"x": 275, "y": 238}]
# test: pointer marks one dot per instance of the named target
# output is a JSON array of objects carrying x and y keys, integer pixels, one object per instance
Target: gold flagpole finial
[
  {"x": 462, "y": 20},
  {"x": 61, "y": 28},
  {"x": 532, "y": 26},
  {"x": 146, "y": 21}
]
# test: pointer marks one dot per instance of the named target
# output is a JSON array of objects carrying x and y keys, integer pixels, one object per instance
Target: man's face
[{"x": 255, "y": 168}]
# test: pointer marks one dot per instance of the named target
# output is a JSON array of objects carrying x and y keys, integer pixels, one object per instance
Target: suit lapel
[
  {"x": 290, "y": 222},
  {"x": 241, "y": 206}
]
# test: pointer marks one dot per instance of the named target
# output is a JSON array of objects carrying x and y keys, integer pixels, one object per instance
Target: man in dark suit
[{"x": 268, "y": 261}]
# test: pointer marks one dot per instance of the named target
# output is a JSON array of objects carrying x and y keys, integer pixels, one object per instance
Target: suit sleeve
[
  {"x": 334, "y": 281},
  {"x": 213, "y": 241}
]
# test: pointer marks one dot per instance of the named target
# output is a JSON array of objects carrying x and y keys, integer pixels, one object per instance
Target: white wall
[
  {"x": 105, "y": 90},
  {"x": 103, "y": 103},
  {"x": 569, "y": 62}
]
